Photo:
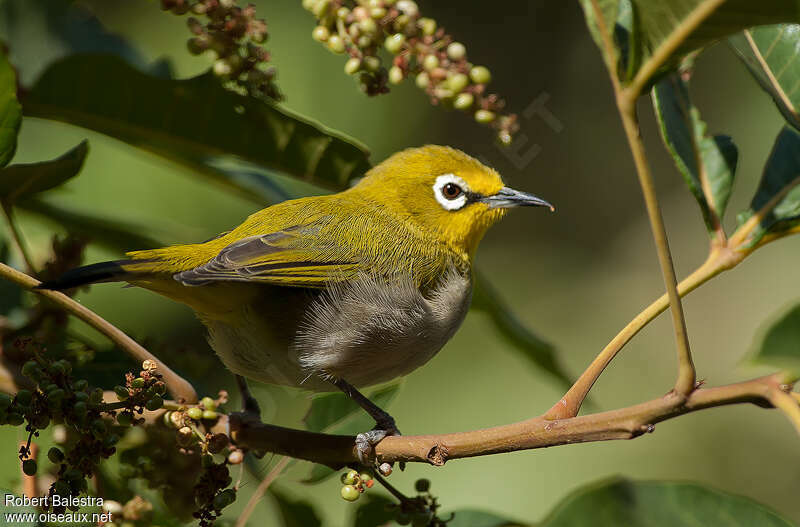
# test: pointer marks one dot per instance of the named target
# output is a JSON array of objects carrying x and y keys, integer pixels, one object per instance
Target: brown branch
[
  {"x": 179, "y": 387},
  {"x": 538, "y": 432}
]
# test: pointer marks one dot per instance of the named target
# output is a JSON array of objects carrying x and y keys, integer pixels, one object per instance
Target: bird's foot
[{"x": 367, "y": 441}]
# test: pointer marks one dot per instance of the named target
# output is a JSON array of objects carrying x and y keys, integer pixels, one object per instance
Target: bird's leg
[
  {"x": 384, "y": 423},
  {"x": 249, "y": 403}
]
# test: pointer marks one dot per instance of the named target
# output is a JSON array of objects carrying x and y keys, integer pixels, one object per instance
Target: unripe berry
[
  {"x": 422, "y": 80},
  {"x": 484, "y": 116},
  {"x": 5, "y": 401},
  {"x": 350, "y": 493},
  {"x": 396, "y": 75},
  {"x": 236, "y": 457},
  {"x": 31, "y": 370},
  {"x": 364, "y": 41},
  {"x": 457, "y": 82},
  {"x": 463, "y": 101},
  {"x": 427, "y": 25},
  {"x": 223, "y": 499},
  {"x": 395, "y": 43},
  {"x": 368, "y": 26},
  {"x": 208, "y": 403},
  {"x": 209, "y": 414},
  {"x": 349, "y": 477},
  {"x": 24, "y": 398},
  {"x": 321, "y": 8},
  {"x": 352, "y": 65},
  {"x": 15, "y": 419},
  {"x": 342, "y": 13},
  {"x": 122, "y": 392},
  {"x": 480, "y": 75},
  {"x": 195, "y": 413},
  {"x": 138, "y": 382},
  {"x": 222, "y": 68},
  {"x": 321, "y": 33},
  {"x": 154, "y": 403},
  {"x": 80, "y": 409},
  {"x": 377, "y": 13},
  {"x": 373, "y": 64},
  {"x": 336, "y": 44},
  {"x": 456, "y": 51},
  {"x": 308, "y": 5},
  {"x": 430, "y": 62},
  {"x": 80, "y": 385},
  {"x": 360, "y": 13},
  {"x": 422, "y": 485},
  {"x": 96, "y": 397},
  {"x": 55, "y": 455},
  {"x": 408, "y": 7}
]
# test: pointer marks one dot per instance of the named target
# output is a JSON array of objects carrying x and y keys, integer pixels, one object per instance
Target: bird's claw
[{"x": 366, "y": 442}]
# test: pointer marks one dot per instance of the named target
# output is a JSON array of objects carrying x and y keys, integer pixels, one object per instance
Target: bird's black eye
[{"x": 451, "y": 191}]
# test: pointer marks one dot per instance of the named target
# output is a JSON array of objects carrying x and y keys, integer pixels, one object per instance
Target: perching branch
[
  {"x": 180, "y": 388},
  {"x": 538, "y": 432}
]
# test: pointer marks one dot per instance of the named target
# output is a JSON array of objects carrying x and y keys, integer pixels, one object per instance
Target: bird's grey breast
[{"x": 370, "y": 330}]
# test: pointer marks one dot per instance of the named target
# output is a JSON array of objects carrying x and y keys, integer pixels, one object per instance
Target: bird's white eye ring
[{"x": 450, "y": 191}]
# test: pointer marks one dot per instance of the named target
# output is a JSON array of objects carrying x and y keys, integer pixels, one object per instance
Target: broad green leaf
[
  {"x": 538, "y": 351},
  {"x": 104, "y": 231},
  {"x": 335, "y": 413},
  {"x": 195, "y": 122},
  {"x": 20, "y": 181},
  {"x": 779, "y": 345},
  {"x": 375, "y": 511},
  {"x": 777, "y": 198},
  {"x": 619, "y": 502},
  {"x": 663, "y": 32},
  {"x": 295, "y": 513},
  {"x": 708, "y": 164},
  {"x": 771, "y": 53},
  {"x": 475, "y": 518},
  {"x": 10, "y": 111}
]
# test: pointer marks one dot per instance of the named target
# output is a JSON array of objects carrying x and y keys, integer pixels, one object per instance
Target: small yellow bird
[{"x": 336, "y": 291}]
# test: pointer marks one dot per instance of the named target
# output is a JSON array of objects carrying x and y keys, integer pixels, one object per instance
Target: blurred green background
[{"x": 576, "y": 276}]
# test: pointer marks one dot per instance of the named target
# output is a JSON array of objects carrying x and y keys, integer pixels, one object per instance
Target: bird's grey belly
[{"x": 365, "y": 332}]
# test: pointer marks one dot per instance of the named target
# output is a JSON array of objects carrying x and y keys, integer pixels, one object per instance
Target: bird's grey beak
[{"x": 508, "y": 197}]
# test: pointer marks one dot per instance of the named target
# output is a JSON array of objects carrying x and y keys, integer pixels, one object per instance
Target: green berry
[
  {"x": 401, "y": 22},
  {"x": 336, "y": 44},
  {"x": 430, "y": 62},
  {"x": 80, "y": 409},
  {"x": 422, "y": 80},
  {"x": 62, "y": 366},
  {"x": 5, "y": 401},
  {"x": 352, "y": 65},
  {"x": 321, "y": 8},
  {"x": 349, "y": 477},
  {"x": 484, "y": 116},
  {"x": 31, "y": 370},
  {"x": 463, "y": 101},
  {"x": 40, "y": 421},
  {"x": 24, "y": 398},
  {"x": 394, "y": 43},
  {"x": 364, "y": 41},
  {"x": 55, "y": 455},
  {"x": 480, "y": 75},
  {"x": 98, "y": 427},
  {"x": 350, "y": 493},
  {"x": 29, "y": 467},
  {"x": 222, "y": 68},
  {"x": 457, "y": 82},
  {"x": 372, "y": 64},
  {"x": 321, "y": 33},
  {"x": 82, "y": 397},
  {"x": 365, "y": 477},
  {"x": 15, "y": 419},
  {"x": 209, "y": 414},
  {"x": 223, "y": 499},
  {"x": 96, "y": 397},
  {"x": 456, "y": 51},
  {"x": 377, "y": 12},
  {"x": 155, "y": 403},
  {"x": 308, "y": 5},
  {"x": 422, "y": 485},
  {"x": 342, "y": 13},
  {"x": 368, "y": 26},
  {"x": 409, "y": 7},
  {"x": 138, "y": 382},
  {"x": 80, "y": 385},
  {"x": 122, "y": 392},
  {"x": 427, "y": 25},
  {"x": 195, "y": 413},
  {"x": 396, "y": 75},
  {"x": 208, "y": 403},
  {"x": 125, "y": 418}
]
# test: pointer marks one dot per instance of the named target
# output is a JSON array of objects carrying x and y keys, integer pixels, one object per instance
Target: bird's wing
[{"x": 295, "y": 256}]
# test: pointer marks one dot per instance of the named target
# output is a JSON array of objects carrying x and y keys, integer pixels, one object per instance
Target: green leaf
[
  {"x": 538, "y": 351},
  {"x": 104, "y": 231},
  {"x": 195, "y": 122},
  {"x": 20, "y": 181},
  {"x": 770, "y": 54},
  {"x": 475, "y": 518},
  {"x": 663, "y": 32},
  {"x": 779, "y": 344},
  {"x": 619, "y": 502},
  {"x": 336, "y": 413},
  {"x": 708, "y": 164},
  {"x": 10, "y": 111},
  {"x": 374, "y": 511},
  {"x": 295, "y": 513},
  {"x": 777, "y": 199}
]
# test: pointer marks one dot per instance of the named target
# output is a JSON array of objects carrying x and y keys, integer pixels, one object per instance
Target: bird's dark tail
[{"x": 100, "y": 272}]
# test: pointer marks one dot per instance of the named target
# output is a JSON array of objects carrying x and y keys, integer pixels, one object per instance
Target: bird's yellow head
[{"x": 445, "y": 192}]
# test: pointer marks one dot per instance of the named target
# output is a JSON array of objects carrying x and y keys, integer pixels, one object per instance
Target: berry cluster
[
  {"x": 355, "y": 484},
  {"x": 234, "y": 35},
  {"x": 360, "y": 28}
]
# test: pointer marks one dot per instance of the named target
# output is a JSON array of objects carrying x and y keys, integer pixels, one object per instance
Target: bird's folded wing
[{"x": 290, "y": 257}]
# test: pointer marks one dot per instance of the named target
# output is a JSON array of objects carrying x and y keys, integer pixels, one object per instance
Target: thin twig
[
  {"x": 262, "y": 488},
  {"x": 8, "y": 211},
  {"x": 180, "y": 388},
  {"x": 538, "y": 432}
]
